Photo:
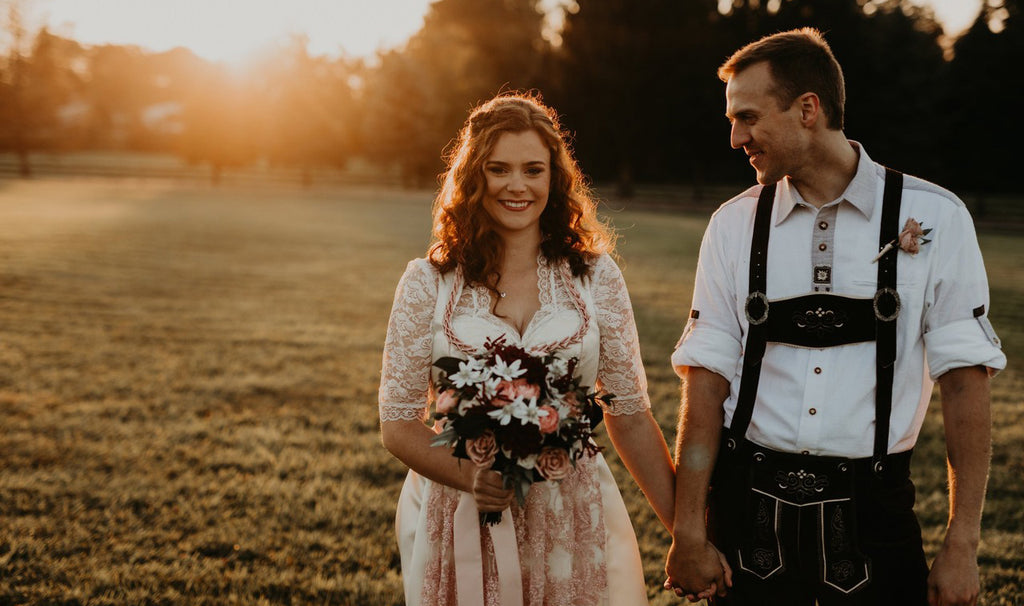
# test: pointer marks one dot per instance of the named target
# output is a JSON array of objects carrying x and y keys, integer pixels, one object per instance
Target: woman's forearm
[
  {"x": 410, "y": 442},
  {"x": 641, "y": 446}
]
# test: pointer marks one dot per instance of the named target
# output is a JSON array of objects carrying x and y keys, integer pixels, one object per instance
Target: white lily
[
  {"x": 507, "y": 371},
  {"x": 506, "y": 413},
  {"x": 469, "y": 374},
  {"x": 528, "y": 412}
]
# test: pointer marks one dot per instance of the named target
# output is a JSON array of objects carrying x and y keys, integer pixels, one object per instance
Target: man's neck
[{"x": 829, "y": 170}]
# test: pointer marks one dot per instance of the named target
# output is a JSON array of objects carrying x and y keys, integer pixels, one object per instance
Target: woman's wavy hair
[{"x": 463, "y": 232}]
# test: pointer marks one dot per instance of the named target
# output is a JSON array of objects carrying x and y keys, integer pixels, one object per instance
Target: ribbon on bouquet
[{"x": 469, "y": 564}]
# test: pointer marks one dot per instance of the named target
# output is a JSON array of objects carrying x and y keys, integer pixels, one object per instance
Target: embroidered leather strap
[{"x": 886, "y": 313}]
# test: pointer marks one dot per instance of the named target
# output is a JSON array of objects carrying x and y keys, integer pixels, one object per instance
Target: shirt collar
[{"x": 860, "y": 192}]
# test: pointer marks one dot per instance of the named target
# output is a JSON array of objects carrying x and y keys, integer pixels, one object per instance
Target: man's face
[{"x": 773, "y": 138}]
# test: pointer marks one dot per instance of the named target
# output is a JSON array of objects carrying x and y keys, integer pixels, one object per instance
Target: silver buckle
[
  {"x": 896, "y": 303},
  {"x": 756, "y": 296}
]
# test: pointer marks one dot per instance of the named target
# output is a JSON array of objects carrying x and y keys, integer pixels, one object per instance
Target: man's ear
[{"x": 810, "y": 109}]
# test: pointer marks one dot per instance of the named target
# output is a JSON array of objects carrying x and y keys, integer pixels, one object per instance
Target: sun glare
[{"x": 233, "y": 30}]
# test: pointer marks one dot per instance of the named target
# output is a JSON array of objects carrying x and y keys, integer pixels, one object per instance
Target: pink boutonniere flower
[{"x": 910, "y": 239}]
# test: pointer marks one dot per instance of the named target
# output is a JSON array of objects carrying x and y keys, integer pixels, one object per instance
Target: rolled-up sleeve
[
  {"x": 957, "y": 330},
  {"x": 712, "y": 336}
]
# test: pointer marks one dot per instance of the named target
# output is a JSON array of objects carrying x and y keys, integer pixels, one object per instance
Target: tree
[
  {"x": 984, "y": 83},
  {"x": 310, "y": 110},
  {"x": 35, "y": 83},
  {"x": 219, "y": 122},
  {"x": 467, "y": 51},
  {"x": 638, "y": 86}
]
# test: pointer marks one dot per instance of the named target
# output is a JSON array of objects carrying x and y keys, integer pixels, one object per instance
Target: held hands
[
  {"x": 698, "y": 571},
  {"x": 489, "y": 491}
]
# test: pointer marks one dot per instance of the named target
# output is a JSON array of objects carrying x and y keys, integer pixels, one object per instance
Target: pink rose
[
  {"x": 549, "y": 422},
  {"x": 505, "y": 392},
  {"x": 908, "y": 242},
  {"x": 482, "y": 450},
  {"x": 526, "y": 390},
  {"x": 446, "y": 401},
  {"x": 516, "y": 388},
  {"x": 553, "y": 464}
]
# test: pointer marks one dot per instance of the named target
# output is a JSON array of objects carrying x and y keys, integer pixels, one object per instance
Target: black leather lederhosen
[{"x": 820, "y": 487}]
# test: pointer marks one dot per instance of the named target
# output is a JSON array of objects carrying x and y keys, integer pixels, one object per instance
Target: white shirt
[{"x": 822, "y": 401}]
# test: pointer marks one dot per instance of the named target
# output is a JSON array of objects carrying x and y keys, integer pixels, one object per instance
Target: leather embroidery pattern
[
  {"x": 820, "y": 321},
  {"x": 800, "y": 483},
  {"x": 839, "y": 532}
]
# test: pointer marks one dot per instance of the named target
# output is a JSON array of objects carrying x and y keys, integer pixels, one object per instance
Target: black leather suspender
[
  {"x": 886, "y": 307},
  {"x": 756, "y": 309}
]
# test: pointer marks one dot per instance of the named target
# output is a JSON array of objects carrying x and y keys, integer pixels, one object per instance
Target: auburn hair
[{"x": 464, "y": 237}]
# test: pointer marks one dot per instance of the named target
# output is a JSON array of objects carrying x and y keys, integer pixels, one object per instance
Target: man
[{"x": 804, "y": 362}]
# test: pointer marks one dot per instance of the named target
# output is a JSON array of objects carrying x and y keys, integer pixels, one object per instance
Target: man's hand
[
  {"x": 698, "y": 571},
  {"x": 953, "y": 580}
]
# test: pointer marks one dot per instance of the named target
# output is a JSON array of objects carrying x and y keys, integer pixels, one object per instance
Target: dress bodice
[{"x": 437, "y": 315}]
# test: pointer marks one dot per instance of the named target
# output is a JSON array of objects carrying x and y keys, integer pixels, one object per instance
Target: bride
[{"x": 518, "y": 252}]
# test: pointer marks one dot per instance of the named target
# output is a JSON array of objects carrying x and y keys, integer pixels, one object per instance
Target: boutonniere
[{"x": 910, "y": 239}]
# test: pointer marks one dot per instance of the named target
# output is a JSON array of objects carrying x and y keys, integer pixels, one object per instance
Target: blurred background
[
  {"x": 363, "y": 90},
  {"x": 205, "y": 206}
]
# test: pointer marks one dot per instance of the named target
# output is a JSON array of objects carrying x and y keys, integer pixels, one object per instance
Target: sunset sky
[{"x": 230, "y": 30}]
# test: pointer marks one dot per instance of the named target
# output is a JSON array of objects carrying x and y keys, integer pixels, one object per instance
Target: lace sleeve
[
  {"x": 405, "y": 373},
  {"x": 620, "y": 369}
]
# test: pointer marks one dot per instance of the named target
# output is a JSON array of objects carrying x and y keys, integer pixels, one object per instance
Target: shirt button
[
  {"x": 822, "y": 246},
  {"x": 805, "y": 452},
  {"x": 823, "y": 225},
  {"x": 817, "y": 370},
  {"x": 813, "y": 411}
]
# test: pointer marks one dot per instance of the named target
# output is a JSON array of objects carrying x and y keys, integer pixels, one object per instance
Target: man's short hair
[{"x": 800, "y": 62}]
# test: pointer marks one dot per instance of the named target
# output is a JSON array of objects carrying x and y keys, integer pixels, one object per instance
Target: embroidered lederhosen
[{"x": 825, "y": 484}]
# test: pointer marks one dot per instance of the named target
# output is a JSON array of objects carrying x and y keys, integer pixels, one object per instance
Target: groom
[{"x": 808, "y": 361}]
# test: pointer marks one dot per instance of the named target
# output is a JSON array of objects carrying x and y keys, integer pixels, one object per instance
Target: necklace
[{"x": 502, "y": 294}]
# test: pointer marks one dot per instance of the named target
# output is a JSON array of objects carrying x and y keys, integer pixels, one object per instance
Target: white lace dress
[{"x": 576, "y": 544}]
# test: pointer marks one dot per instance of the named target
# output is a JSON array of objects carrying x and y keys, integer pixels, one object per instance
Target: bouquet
[{"x": 525, "y": 416}]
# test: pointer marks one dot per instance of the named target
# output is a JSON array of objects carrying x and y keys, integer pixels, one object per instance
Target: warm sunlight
[{"x": 231, "y": 30}]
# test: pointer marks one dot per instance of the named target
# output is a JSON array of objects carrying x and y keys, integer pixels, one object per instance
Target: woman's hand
[{"x": 489, "y": 491}]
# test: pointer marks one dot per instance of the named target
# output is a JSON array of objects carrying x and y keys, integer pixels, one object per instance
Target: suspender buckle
[
  {"x": 887, "y": 304},
  {"x": 756, "y": 308}
]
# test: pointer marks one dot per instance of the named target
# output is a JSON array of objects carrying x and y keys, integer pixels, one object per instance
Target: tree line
[{"x": 633, "y": 80}]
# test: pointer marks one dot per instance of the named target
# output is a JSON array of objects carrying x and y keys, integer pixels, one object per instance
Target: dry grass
[{"x": 188, "y": 392}]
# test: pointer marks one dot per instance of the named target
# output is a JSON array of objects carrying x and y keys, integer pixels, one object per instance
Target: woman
[{"x": 518, "y": 252}]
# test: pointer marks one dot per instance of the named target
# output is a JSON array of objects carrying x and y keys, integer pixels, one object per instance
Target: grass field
[{"x": 188, "y": 384}]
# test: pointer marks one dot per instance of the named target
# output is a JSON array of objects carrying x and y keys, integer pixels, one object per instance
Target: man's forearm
[
  {"x": 967, "y": 419},
  {"x": 700, "y": 427}
]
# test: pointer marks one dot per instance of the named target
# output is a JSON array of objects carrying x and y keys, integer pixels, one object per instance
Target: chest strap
[{"x": 885, "y": 306}]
